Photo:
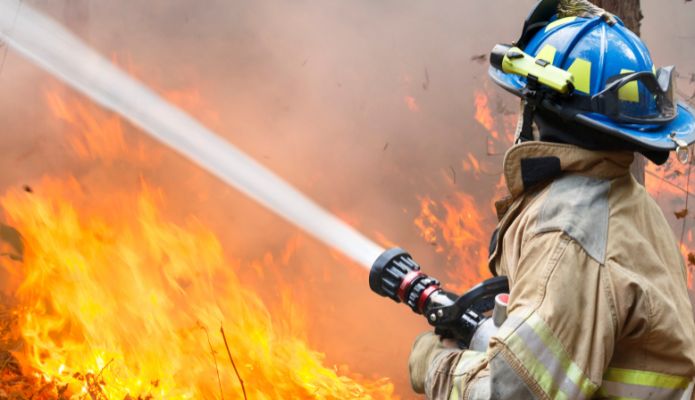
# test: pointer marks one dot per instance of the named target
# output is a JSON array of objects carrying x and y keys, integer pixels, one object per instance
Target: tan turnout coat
[{"x": 599, "y": 307}]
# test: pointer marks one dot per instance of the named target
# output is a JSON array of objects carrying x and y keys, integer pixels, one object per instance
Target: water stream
[{"x": 64, "y": 55}]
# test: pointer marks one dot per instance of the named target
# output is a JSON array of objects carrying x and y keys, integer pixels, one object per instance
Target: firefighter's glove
[{"x": 425, "y": 349}]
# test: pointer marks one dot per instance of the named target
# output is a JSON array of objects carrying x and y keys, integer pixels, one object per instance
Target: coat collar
[{"x": 531, "y": 163}]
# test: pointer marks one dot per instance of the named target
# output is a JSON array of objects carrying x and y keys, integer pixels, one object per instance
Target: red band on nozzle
[
  {"x": 405, "y": 283},
  {"x": 426, "y": 295}
]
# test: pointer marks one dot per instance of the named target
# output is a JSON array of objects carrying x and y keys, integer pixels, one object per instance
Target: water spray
[
  {"x": 65, "y": 56},
  {"x": 394, "y": 274}
]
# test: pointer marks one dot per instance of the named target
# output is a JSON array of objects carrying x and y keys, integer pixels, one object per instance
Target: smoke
[
  {"x": 322, "y": 93},
  {"x": 50, "y": 46}
]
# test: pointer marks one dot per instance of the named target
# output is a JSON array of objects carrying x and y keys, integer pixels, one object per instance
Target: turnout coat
[{"x": 599, "y": 305}]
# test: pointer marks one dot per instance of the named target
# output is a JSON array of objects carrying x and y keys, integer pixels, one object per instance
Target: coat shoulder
[{"x": 578, "y": 206}]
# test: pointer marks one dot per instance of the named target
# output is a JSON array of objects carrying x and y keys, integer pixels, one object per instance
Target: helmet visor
[{"x": 639, "y": 97}]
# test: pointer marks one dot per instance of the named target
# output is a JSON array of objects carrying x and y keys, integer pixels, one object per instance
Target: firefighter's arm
[
  {"x": 433, "y": 366},
  {"x": 556, "y": 342}
]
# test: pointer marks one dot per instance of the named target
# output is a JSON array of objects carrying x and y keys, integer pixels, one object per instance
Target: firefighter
[{"x": 599, "y": 304}]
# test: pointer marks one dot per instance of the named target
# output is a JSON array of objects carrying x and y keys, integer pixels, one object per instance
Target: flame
[
  {"x": 471, "y": 164},
  {"x": 668, "y": 184},
  {"x": 192, "y": 100},
  {"x": 117, "y": 301},
  {"x": 96, "y": 135},
  {"x": 411, "y": 103},
  {"x": 483, "y": 114},
  {"x": 456, "y": 228},
  {"x": 505, "y": 123}
]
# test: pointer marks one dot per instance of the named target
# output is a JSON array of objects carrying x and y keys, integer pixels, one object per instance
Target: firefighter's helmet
[{"x": 614, "y": 86}]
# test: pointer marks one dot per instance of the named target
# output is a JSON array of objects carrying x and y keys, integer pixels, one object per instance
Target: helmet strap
[
  {"x": 532, "y": 98},
  {"x": 526, "y": 123}
]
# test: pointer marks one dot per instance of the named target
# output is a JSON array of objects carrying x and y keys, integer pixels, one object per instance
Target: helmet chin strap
[{"x": 526, "y": 130}]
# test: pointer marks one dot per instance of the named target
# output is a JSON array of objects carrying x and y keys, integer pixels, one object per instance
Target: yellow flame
[{"x": 117, "y": 301}]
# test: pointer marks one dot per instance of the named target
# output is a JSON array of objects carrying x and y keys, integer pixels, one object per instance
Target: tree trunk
[{"x": 630, "y": 11}]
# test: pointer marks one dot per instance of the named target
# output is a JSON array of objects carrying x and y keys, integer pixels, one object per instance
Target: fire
[
  {"x": 411, "y": 103},
  {"x": 505, "y": 123},
  {"x": 471, "y": 164},
  {"x": 669, "y": 185},
  {"x": 87, "y": 140},
  {"x": 457, "y": 230},
  {"x": 483, "y": 114},
  {"x": 117, "y": 301},
  {"x": 458, "y": 227}
]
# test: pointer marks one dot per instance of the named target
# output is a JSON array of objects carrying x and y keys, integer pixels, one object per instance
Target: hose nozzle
[{"x": 397, "y": 276}]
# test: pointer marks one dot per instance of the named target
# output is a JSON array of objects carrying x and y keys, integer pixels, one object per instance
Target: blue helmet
[{"x": 615, "y": 87}]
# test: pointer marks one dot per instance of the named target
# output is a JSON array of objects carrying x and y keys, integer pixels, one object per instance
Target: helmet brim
[
  {"x": 658, "y": 137},
  {"x": 653, "y": 137},
  {"x": 508, "y": 82}
]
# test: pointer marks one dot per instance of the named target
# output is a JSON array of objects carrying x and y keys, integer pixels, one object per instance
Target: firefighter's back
[{"x": 654, "y": 355}]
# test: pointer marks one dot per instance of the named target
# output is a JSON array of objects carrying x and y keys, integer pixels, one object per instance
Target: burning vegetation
[
  {"x": 115, "y": 306},
  {"x": 457, "y": 229},
  {"x": 115, "y": 301}
]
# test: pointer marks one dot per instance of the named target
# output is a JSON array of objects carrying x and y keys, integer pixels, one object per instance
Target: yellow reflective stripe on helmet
[
  {"x": 646, "y": 378},
  {"x": 581, "y": 70},
  {"x": 468, "y": 359},
  {"x": 545, "y": 359},
  {"x": 629, "y": 92},
  {"x": 559, "y": 22},
  {"x": 547, "y": 53}
]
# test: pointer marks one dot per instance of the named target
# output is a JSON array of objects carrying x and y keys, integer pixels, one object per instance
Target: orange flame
[
  {"x": 506, "y": 122},
  {"x": 483, "y": 114},
  {"x": 456, "y": 229},
  {"x": 96, "y": 135},
  {"x": 669, "y": 183},
  {"x": 471, "y": 164},
  {"x": 118, "y": 302}
]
